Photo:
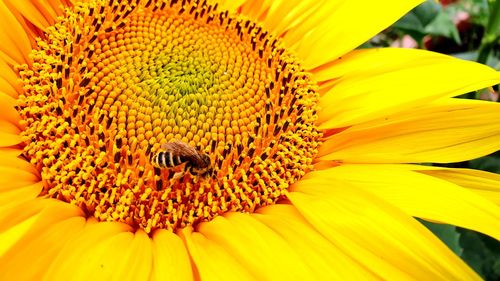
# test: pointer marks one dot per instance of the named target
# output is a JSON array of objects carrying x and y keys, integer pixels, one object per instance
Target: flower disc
[{"x": 110, "y": 83}]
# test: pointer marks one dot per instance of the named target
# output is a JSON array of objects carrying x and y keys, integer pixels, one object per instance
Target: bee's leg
[
  {"x": 178, "y": 175},
  {"x": 208, "y": 173}
]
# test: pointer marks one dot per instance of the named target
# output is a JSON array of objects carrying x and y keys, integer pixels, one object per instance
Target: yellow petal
[
  {"x": 482, "y": 183},
  {"x": 28, "y": 29},
  {"x": 33, "y": 254},
  {"x": 57, "y": 5},
  {"x": 377, "y": 235},
  {"x": 12, "y": 57},
  {"x": 10, "y": 159},
  {"x": 370, "y": 84},
  {"x": 230, "y": 5},
  {"x": 9, "y": 121},
  {"x": 449, "y": 130},
  {"x": 105, "y": 248},
  {"x": 213, "y": 262},
  {"x": 31, "y": 224},
  {"x": 8, "y": 127},
  {"x": 326, "y": 260},
  {"x": 136, "y": 263},
  {"x": 419, "y": 195},
  {"x": 9, "y": 76},
  {"x": 11, "y": 215},
  {"x": 262, "y": 251},
  {"x": 170, "y": 258},
  {"x": 10, "y": 155},
  {"x": 10, "y": 236},
  {"x": 46, "y": 8},
  {"x": 9, "y": 139},
  {"x": 20, "y": 194},
  {"x": 340, "y": 26},
  {"x": 285, "y": 15},
  {"x": 31, "y": 12},
  {"x": 104, "y": 260},
  {"x": 15, "y": 42},
  {"x": 9, "y": 113},
  {"x": 256, "y": 9},
  {"x": 12, "y": 177},
  {"x": 11, "y": 152},
  {"x": 7, "y": 89}
]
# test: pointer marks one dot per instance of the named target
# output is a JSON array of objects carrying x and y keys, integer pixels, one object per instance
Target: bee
[{"x": 176, "y": 153}]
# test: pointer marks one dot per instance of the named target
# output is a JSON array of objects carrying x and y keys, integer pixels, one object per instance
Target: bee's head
[
  {"x": 205, "y": 159},
  {"x": 208, "y": 172},
  {"x": 206, "y": 162},
  {"x": 204, "y": 166}
]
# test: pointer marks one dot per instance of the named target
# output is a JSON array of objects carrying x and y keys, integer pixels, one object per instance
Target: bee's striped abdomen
[
  {"x": 166, "y": 159},
  {"x": 158, "y": 160}
]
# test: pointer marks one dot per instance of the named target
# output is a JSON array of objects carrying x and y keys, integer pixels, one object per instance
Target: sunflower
[{"x": 311, "y": 143}]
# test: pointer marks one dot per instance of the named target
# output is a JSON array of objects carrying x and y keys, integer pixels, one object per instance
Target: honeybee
[{"x": 176, "y": 153}]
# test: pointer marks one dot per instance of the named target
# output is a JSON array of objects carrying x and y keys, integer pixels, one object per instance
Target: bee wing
[{"x": 180, "y": 148}]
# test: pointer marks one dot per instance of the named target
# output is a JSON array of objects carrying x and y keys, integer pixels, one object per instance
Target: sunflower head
[{"x": 110, "y": 83}]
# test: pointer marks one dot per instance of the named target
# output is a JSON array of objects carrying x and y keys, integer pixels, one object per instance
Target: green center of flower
[{"x": 112, "y": 85}]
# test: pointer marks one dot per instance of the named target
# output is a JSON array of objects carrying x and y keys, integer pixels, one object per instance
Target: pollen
[{"x": 112, "y": 81}]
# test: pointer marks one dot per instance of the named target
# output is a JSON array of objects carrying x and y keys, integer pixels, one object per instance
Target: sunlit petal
[
  {"x": 231, "y": 5},
  {"x": 376, "y": 83},
  {"x": 105, "y": 247},
  {"x": 325, "y": 259},
  {"x": 449, "y": 130},
  {"x": 43, "y": 246},
  {"x": 212, "y": 261},
  {"x": 170, "y": 258},
  {"x": 20, "y": 194},
  {"x": 340, "y": 26},
  {"x": 31, "y": 11},
  {"x": 377, "y": 234},
  {"x": 417, "y": 194},
  {"x": 9, "y": 114},
  {"x": 251, "y": 243},
  {"x": 15, "y": 42},
  {"x": 480, "y": 182},
  {"x": 256, "y": 9},
  {"x": 51, "y": 225}
]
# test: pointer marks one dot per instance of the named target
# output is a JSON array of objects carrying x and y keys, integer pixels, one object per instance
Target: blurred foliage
[
  {"x": 448, "y": 234},
  {"x": 467, "y": 29},
  {"x": 490, "y": 163},
  {"x": 477, "y": 9},
  {"x": 427, "y": 19},
  {"x": 481, "y": 252}
]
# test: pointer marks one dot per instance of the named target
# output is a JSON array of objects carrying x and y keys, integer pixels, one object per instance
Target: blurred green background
[{"x": 467, "y": 29}]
